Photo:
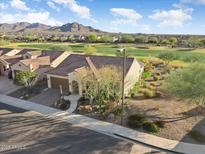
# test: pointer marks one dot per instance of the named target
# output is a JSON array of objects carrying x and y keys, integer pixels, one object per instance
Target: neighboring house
[
  {"x": 39, "y": 61},
  {"x": 13, "y": 60},
  {"x": 4, "y": 51},
  {"x": 7, "y": 57},
  {"x": 70, "y": 73}
]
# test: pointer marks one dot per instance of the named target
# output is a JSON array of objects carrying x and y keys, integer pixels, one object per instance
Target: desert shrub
[
  {"x": 135, "y": 89},
  {"x": 156, "y": 78},
  {"x": 146, "y": 75},
  {"x": 150, "y": 87},
  {"x": 158, "y": 94},
  {"x": 62, "y": 104},
  {"x": 148, "y": 93},
  {"x": 187, "y": 83},
  {"x": 151, "y": 127},
  {"x": 84, "y": 101},
  {"x": 136, "y": 121},
  {"x": 158, "y": 73},
  {"x": 118, "y": 111},
  {"x": 160, "y": 124}
]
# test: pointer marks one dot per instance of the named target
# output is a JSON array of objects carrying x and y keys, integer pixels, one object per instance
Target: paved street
[{"x": 30, "y": 132}]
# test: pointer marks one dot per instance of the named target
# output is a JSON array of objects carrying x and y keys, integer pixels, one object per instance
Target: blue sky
[{"x": 130, "y": 16}]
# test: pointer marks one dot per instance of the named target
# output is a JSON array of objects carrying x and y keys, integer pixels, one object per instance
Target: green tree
[
  {"x": 165, "y": 41},
  {"x": 194, "y": 42},
  {"x": 104, "y": 89},
  {"x": 89, "y": 50},
  {"x": 187, "y": 83},
  {"x": 105, "y": 39},
  {"x": 203, "y": 42},
  {"x": 92, "y": 38},
  {"x": 173, "y": 41},
  {"x": 27, "y": 78},
  {"x": 153, "y": 40},
  {"x": 127, "y": 39},
  {"x": 141, "y": 39}
]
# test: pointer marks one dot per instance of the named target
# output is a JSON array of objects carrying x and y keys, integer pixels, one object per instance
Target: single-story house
[
  {"x": 70, "y": 73},
  {"x": 7, "y": 55},
  {"x": 13, "y": 60},
  {"x": 39, "y": 61}
]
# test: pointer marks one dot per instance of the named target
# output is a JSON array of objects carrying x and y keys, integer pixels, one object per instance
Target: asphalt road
[{"x": 27, "y": 132}]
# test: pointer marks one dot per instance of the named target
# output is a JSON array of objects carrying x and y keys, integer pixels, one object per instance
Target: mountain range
[{"x": 38, "y": 28}]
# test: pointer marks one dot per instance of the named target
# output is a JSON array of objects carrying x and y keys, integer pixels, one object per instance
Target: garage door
[{"x": 56, "y": 82}]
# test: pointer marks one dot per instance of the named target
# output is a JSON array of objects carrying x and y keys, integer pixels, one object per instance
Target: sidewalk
[
  {"x": 73, "y": 102},
  {"x": 105, "y": 127}
]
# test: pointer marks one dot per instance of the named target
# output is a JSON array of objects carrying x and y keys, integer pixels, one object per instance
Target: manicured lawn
[{"x": 181, "y": 54}]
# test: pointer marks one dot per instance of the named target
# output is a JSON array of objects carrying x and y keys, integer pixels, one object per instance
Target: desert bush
[
  {"x": 187, "y": 83},
  {"x": 148, "y": 93},
  {"x": 156, "y": 78},
  {"x": 118, "y": 111},
  {"x": 151, "y": 127},
  {"x": 135, "y": 89},
  {"x": 160, "y": 124},
  {"x": 150, "y": 87},
  {"x": 146, "y": 75},
  {"x": 84, "y": 101},
  {"x": 62, "y": 104},
  {"x": 136, "y": 121}
]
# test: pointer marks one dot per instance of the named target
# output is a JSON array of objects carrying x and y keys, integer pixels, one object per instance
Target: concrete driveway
[
  {"x": 48, "y": 97},
  {"x": 7, "y": 86}
]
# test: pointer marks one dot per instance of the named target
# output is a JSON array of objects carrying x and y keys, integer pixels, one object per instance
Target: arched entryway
[{"x": 75, "y": 87}]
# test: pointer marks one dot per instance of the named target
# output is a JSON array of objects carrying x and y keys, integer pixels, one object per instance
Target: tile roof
[
  {"x": 53, "y": 54},
  {"x": 37, "y": 62},
  {"x": 23, "y": 51},
  {"x": 4, "y": 50},
  {"x": 75, "y": 61}
]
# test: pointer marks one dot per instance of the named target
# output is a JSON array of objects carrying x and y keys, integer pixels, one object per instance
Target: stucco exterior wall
[
  {"x": 56, "y": 76},
  {"x": 42, "y": 72},
  {"x": 133, "y": 76},
  {"x": 2, "y": 66},
  {"x": 20, "y": 67},
  {"x": 74, "y": 76}
]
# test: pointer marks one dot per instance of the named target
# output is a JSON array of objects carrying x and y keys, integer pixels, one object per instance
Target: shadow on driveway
[
  {"x": 48, "y": 97},
  {"x": 30, "y": 132}
]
